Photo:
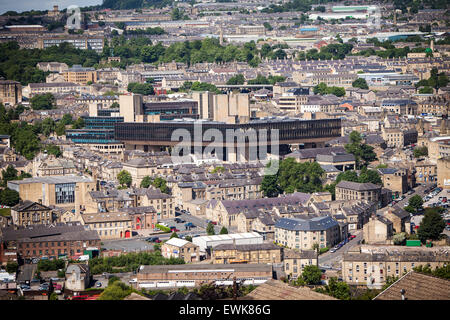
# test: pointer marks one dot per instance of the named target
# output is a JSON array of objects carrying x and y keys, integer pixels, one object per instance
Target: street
[
  {"x": 333, "y": 259},
  {"x": 420, "y": 190}
]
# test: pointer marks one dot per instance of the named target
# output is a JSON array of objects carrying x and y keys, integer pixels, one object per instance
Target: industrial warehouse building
[
  {"x": 192, "y": 275},
  {"x": 206, "y": 243}
]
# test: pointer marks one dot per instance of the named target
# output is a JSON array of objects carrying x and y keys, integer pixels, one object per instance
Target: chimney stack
[{"x": 403, "y": 294}]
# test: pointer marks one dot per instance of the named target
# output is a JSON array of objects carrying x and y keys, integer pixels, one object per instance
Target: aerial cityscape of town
[{"x": 225, "y": 150}]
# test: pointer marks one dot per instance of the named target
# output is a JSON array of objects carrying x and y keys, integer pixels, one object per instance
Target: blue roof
[{"x": 309, "y": 29}]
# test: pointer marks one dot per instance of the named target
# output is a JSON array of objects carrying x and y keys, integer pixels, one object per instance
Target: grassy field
[{"x": 5, "y": 212}]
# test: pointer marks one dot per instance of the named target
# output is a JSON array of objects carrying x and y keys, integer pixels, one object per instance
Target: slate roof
[
  {"x": 357, "y": 186},
  {"x": 417, "y": 286},
  {"x": 336, "y": 157},
  {"x": 278, "y": 290},
  {"x": 246, "y": 247},
  {"x": 52, "y": 232},
  {"x": 314, "y": 224},
  {"x": 313, "y": 152},
  {"x": 237, "y": 206}
]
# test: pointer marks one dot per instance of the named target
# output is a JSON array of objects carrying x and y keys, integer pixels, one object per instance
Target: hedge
[{"x": 163, "y": 228}]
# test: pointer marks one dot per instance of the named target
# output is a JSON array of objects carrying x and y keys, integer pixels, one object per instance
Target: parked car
[
  {"x": 332, "y": 250},
  {"x": 214, "y": 223},
  {"x": 158, "y": 241},
  {"x": 98, "y": 284}
]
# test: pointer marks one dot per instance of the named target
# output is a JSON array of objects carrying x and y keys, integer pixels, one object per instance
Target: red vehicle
[
  {"x": 214, "y": 223},
  {"x": 157, "y": 241},
  {"x": 352, "y": 237},
  {"x": 176, "y": 230}
]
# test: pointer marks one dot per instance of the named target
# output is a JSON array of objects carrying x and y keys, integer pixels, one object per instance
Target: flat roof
[
  {"x": 53, "y": 179},
  {"x": 204, "y": 267},
  {"x": 231, "y": 236}
]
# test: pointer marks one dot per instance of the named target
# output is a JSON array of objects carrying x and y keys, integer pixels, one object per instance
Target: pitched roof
[
  {"x": 278, "y": 290},
  {"x": 357, "y": 186},
  {"x": 417, "y": 286},
  {"x": 314, "y": 224}
]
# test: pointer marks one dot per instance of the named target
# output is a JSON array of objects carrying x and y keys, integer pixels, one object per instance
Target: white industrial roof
[
  {"x": 176, "y": 242},
  {"x": 244, "y": 235}
]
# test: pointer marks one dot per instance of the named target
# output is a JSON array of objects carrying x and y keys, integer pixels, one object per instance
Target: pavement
[
  {"x": 26, "y": 272},
  {"x": 334, "y": 259},
  {"x": 127, "y": 245},
  {"x": 420, "y": 190}
]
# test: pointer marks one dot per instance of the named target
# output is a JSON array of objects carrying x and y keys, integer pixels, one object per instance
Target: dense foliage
[
  {"x": 337, "y": 289},
  {"x": 360, "y": 83},
  {"x": 210, "y": 229},
  {"x": 51, "y": 265},
  {"x": 431, "y": 226},
  {"x": 441, "y": 272},
  {"x": 322, "y": 89},
  {"x": 124, "y": 178},
  {"x": 293, "y": 176},
  {"x": 20, "y": 64},
  {"x": 141, "y": 88},
  {"x": 130, "y": 262},
  {"x": 363, "y": 153}
]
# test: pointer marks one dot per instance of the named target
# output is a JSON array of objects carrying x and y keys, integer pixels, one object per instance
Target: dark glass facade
[
  {"x": 290, "y": 131},
  {"x": 91, "y": 136}
]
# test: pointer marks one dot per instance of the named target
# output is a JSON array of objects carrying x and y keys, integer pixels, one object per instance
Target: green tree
[
  {"x": 311, "y": 274},
  {"x": 420, "y": 151},
  {"x": 223, "y": 231},
  {"x": 9, "y": 174},
  {"x": 389, "y": 281},
  {"x": 360, "y": 83},
  {"x": 363, "y": 153},
  {"x": 188, "y": 238},
  {"x": 237, "y": 79},
  {"x": 12, "y": 267},
  {"x": 146, "y": 182},
  {"x": 44, "y": 101},
  {"x": 60, "y": 129},
  {"x": 399, "y": 238},
  {"x": 174, "y": 235},
  {"x": 78, "y": 124},
  {"x": 270, "y": 187},
  {"x": 9, "y": 197},
  {"x": 176, "y": 14},
  {"x": 141, "y": 88},
  {"x": 416, "y": 202},
  {"x": 337, "y": 289},
  {"x": 54, "y": 150},
  {"x": 431, "y": 226},
  {"x": 116, "y": 291},
  {"x": 210, "y": 229},
  {"x": 53, "y": 296},
  {"x": 124, "y": 178},
  {"x": 161, "y": 184},
  {"x": 368, "y": 175},
  {"x": 267, "y": 26}
]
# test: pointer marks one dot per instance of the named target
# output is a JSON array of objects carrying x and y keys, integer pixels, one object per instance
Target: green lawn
[{"x": 6, "y": 212}]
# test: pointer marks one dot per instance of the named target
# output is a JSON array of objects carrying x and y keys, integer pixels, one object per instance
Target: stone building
[
  {"x": 78, "y": 277},
  {"x": 27, "y": 213},
  {"x": 179, "y": 248},
  {"x": 371, "y": 265},
  {"x": 10, "y": 92},
  {"x": 246, "y": 253}
]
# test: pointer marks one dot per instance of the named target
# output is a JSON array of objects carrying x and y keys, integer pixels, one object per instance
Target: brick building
[{"x": 54, "y": 240}]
